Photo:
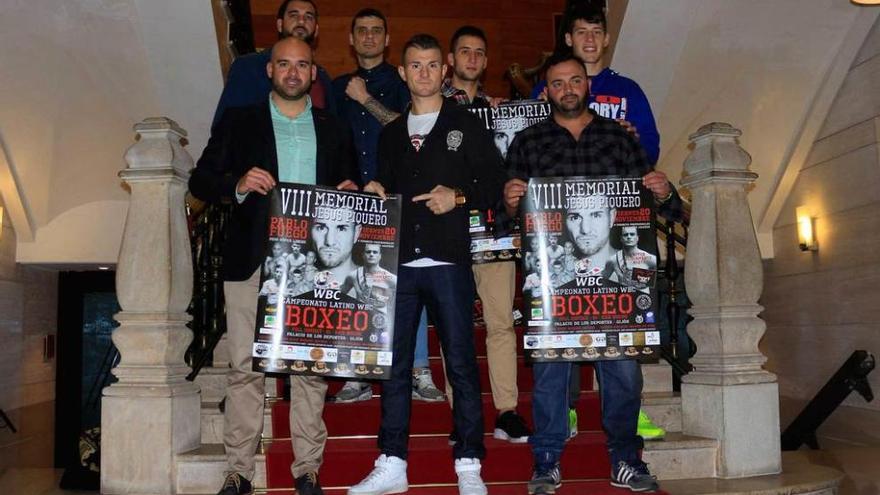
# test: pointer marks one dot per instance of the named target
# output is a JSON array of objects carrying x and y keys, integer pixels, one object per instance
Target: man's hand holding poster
[
  {"x": 589, "y": 265},
  {"x": 326, "y": 300}
]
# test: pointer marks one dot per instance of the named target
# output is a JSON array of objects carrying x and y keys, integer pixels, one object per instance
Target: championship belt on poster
[
  {"x": 590, "y": 267},
  {"x": 328, "y": 283},
  {"x": 504, "y": 122}
]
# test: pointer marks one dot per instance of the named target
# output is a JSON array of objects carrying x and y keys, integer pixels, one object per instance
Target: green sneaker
[
  {"x": 648, "y": 430},
  {"x": 572, "y": 423}
]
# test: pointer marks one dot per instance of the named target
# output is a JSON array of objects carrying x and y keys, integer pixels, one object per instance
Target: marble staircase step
[
  {"x": 202, "y": 470},
  {"x": 677, "y": 457},
  {"x": 212, "y": 422}
]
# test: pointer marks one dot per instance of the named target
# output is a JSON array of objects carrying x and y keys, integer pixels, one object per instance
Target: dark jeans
[
  {"x": 448, "y": 293},
  {"x": 620, "y": 389}
]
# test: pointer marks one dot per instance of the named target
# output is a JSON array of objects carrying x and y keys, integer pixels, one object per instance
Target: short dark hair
[
  {"x": 467, "y": 31},
  {"x": 562, "y": 57},
  {"x": 369, "y": 12},
  {"x": 284, "y": 3},
  {"x": 588, "y": 13},
  {"x": 421, "y": 41}
]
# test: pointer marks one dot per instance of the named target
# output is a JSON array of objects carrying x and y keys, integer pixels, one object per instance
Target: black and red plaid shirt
[
  {"x": 547, "y": 149},
  {"x": 460, "y": 96}
]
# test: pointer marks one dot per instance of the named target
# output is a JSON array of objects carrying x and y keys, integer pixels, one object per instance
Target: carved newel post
[
  {"x": 728, "y": 396},
  {"x": 152, "y": 412}
]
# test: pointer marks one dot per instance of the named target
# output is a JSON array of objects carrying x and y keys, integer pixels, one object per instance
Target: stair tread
[{"x": 583, "y": 487}]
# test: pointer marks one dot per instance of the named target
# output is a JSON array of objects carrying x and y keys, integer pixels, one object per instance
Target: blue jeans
[
  {"x": 448, "y": 293},
  {"x": 620, "y": 390},
  {"x": 420, "y": 359}
]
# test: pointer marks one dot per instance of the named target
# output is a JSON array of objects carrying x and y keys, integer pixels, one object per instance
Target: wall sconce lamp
[
  {"x": 866, "y": 2},
  {"x": 806, "y": 232}
]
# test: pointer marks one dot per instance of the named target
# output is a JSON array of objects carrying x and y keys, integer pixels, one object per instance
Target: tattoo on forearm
[{"x": 378, "y": 110}]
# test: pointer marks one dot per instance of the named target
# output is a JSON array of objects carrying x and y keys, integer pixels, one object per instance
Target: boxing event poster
[
  {"x": 504, "y": 122},
  {"x": 590, "y": 266},
  {"x": 327, "y": 284}
]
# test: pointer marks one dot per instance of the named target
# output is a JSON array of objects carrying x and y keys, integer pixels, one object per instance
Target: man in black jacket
[
  {"x": 284, "y": 139},
  {"x": 441, "y": 160}
]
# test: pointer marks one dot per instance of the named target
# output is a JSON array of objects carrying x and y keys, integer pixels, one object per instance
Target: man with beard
[
  {"x": 588, "y": 226},
  {"x": 283, "y": 138},
  {"x": 441, "y": 160},
  {"x": 334, "y": 234},
  {"x": 574, "y": 142},
  {"x": 246, "y": 83},
  {"x": 494, "y": 281},
  {"x": 368, "y": 99}
]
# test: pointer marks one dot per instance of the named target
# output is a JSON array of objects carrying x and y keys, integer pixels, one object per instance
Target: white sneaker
[
  {"x": 469, "y": 481},
  {"x": 389, "y": 476}
]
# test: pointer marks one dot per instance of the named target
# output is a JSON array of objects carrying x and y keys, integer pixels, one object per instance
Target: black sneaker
[
  {"x": 236, "y": 484},
  {"x": 545, "y": 480},
  {"x": 308, "y": 484},
  {"x": 634, "y": 476},
  {"x": 512, "y": 427}
]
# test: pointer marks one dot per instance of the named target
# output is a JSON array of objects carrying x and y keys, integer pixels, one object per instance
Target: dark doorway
[{"x": 86, "y": 305}]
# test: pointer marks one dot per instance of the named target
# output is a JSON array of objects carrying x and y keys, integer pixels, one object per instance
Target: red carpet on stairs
[
  {"x": 351, "y": 449},
  {"x": 587, "y": 487}
]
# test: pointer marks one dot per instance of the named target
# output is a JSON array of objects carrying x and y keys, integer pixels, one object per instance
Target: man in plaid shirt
[{"x": 578, "y": 142}]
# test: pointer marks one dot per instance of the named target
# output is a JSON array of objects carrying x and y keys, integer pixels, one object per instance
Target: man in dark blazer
[{"x": 283, "y": 138}]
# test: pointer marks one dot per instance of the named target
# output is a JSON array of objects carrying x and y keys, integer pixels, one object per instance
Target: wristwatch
[{"x": 460, "y": 198}]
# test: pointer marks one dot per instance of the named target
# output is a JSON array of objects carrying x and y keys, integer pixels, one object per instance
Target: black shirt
[{"x": 458, "y": 153}]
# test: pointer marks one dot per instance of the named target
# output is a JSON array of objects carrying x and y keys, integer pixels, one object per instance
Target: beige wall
[
  {"x": 76, "y": 76},
  {"x": 820, "y": 306},
  {"x": 28, "y": 312},
  {"x": 760, "y": 66}
]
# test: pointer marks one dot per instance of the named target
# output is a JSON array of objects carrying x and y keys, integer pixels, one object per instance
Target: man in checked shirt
[{"x": 578, "y": 142}]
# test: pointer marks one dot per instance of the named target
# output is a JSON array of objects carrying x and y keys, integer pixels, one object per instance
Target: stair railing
[
  {"x": 207, "y": 236},
  {"x": 674, "y": 236},
  {"x": 852, "y": 376}
]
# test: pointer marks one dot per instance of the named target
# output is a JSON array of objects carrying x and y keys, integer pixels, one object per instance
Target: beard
[
  {"x": 569, "y": 105},
  {"x": 291, "y": 94},
  {"x": 301, "y": 33},
  {"x": 590, "y": 245}
]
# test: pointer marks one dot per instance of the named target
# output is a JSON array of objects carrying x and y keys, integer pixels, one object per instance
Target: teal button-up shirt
[{"x": 295, "y": 144}]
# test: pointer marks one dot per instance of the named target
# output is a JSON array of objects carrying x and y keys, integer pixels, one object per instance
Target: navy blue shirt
[{"x": 385, "y": 85}]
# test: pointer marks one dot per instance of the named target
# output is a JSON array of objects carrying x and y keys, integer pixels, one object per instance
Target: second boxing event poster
[{"x": 590, "y": 266}]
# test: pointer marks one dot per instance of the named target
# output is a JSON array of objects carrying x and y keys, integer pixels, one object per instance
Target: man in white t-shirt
[{"x": 441, "y": 159}]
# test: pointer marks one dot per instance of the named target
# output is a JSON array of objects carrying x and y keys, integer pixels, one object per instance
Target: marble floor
[
  {"x": 34, "y": 481},
  {"x": 861, "y": 465}
]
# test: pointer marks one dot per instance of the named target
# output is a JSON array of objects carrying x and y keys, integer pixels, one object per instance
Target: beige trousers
[
  {"x": 245, "y": 394},
  {"x": 495, "y": 286}
]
